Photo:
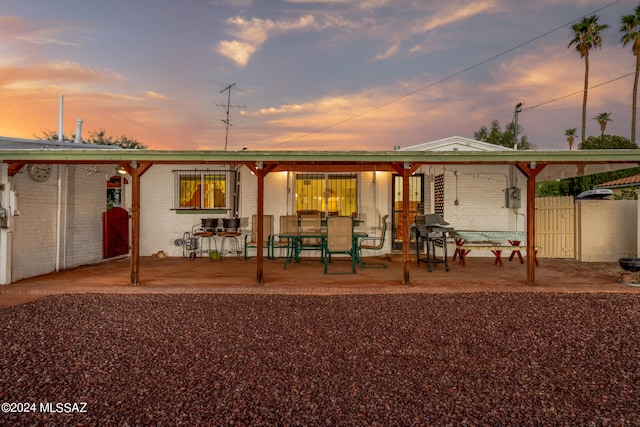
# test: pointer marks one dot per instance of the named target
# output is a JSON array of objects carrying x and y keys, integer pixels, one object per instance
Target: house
[
  {"x": 55, "y": 212},
  {"x": 620, "y": 185}
]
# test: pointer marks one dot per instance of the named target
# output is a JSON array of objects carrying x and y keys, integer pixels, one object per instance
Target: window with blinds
[
  {"x": 196, "y": 189},
  {"x": 330, "y": 193}
]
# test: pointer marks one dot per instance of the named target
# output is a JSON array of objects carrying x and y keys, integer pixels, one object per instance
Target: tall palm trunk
[
  {"x": 635, "y": 100},
  {"x": 584, "y": 96}
]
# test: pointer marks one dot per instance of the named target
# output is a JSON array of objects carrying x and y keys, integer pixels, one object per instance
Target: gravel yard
[{"x": 420, "y": 359}]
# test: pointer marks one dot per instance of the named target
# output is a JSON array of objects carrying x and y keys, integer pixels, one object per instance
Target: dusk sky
[{"x": 309, "y": 75}]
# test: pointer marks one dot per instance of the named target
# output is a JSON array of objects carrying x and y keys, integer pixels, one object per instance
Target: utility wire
[
  {"x": 449, "y": 77},
  {"x": 578, "y": 92}
]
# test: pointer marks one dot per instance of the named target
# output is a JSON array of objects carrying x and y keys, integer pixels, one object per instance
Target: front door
[{"x": 416, "y": 205}]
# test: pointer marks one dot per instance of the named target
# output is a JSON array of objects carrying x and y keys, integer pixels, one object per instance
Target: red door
[{"x": 115, "y": 232}]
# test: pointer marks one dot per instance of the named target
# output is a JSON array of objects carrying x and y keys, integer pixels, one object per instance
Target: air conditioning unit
[{"x": 513, "y": 197}]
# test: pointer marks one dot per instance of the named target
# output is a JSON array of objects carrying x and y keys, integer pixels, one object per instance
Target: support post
[
  {"x": 135, "y": 223},
  {"x": 531, "y": 171},
  {"x": 405, "y": 170},
  {"x": 260, "y": 170},
  {"x": 260, "y": 174},
  {"x": 406, "y": 256}
]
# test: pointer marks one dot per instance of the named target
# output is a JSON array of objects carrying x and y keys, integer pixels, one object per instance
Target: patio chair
[
  {"x": 339, "y": 241},
  {"x": 251, "y": 240},
  {"x": 288, "y": 223},
  {"x": 310, "y": 221},
  {"x": 373, "y": 243}
]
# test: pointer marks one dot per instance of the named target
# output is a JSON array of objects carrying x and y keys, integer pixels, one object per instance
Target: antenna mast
[{"x": 228, "y": 105}]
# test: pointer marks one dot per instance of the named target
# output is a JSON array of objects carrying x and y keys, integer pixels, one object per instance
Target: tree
[
  {"x": 603, "y": 119},
  {"x": 97, "y": 138},
  {"x": 586, "y": 37},
  {"x": 504, "y": 138},
  {"x": 606, "y": 142},
  {"x": 575, "y": 186},
  {"x": 100, "y": 138},
  {"x": 570, "y": 134},
  {"x": 630, "y": 30},
  {"x": 50, "y": 135}
]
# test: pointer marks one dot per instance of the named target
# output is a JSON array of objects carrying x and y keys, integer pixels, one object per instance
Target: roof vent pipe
[
  {"x": 60, "y": 114},
  {"x": 78, "y": 139}
]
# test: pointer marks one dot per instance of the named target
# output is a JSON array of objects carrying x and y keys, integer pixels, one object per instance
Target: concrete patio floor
[{"x": 238, "y": 276}]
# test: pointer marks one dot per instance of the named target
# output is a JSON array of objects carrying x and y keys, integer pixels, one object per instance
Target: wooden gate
[
  {"x": 115, "y": 232},
  {"x": 555, "y": 226}
]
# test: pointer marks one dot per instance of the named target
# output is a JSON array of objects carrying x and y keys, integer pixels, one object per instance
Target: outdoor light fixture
[{"x": 122, "y": 171}]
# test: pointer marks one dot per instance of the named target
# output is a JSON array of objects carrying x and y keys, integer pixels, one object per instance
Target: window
[
  {"x": 330, "y": 193},
  {"x": 203, "y": 189}
]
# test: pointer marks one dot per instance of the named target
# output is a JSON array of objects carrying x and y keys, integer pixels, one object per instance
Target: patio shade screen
[
  {"x": 330, "y": 193},
  {"x": 195, "y": 189}
]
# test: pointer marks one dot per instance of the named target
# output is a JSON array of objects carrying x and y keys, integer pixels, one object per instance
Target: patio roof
[
  {"x": 560, "y": 164},
  {"x": 535, "y": 165}
]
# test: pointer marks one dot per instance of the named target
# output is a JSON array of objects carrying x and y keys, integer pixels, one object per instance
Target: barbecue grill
[{"x": 431, "y": 229}]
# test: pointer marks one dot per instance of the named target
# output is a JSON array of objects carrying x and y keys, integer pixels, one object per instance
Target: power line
[
  {"x": 444, "y": 79},
  {"x": 578, "y": 92}
]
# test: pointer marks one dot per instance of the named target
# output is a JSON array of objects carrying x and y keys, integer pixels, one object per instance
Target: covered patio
[
  {"x": 533, "y": 165},
  {"x": 236, "y": 276}
]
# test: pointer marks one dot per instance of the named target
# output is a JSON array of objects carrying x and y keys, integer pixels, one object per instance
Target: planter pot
[
  {"x": 630, "y": 264},
  {"x": 231, "y": 223},
  {"x": 209, "y": 223}
]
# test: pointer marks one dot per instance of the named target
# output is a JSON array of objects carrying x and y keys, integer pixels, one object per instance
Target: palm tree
[
  {"x": 603, "y": 118},
  {"x": 630, "y": 30},
  {"x": 570, "y": 134},
  {"x": 586, "y": 37}
]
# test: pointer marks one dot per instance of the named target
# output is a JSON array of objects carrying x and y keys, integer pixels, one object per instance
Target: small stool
[
  {"x": 233, "y": 236},
  {"x": 208, "y": 235}
]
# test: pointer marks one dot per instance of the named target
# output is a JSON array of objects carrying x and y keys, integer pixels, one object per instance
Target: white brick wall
[
  {"x": 34, "y": 231},
  {"x": 160, "y": 225},
  {"x": 86, "y": 201},
  {"x": 481, "y": 200},
  {"x": 480, "y": 195}
]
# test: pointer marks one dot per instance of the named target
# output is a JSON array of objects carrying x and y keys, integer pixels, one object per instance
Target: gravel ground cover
[{"x": 444, "y": 359}]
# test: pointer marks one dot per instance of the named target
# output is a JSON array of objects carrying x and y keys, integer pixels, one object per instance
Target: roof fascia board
[{"x": 315, "y": 157}]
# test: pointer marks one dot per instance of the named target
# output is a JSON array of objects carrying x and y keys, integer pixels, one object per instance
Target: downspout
[
  {"x": 61, "y": 238},
  {"x": 58, "y": 215}
]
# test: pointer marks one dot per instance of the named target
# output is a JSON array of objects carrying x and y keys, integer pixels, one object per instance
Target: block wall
[{"x": 35, "y": 231}]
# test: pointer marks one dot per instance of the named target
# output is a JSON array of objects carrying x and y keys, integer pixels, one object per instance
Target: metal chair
[
  {"x": 339, "y": 241},
  {"x": 373, "y": 243},
  {"x": 251, "y": 240},
  {"x": 288, "y": 224},
  {"x": 310, "y": 221},
  {"x": 201, "y": 233}
]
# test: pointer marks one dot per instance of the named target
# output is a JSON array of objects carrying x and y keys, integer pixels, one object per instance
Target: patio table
[
  {"x": 492, "y": 241},
  {"x": 294, "y": 240}
]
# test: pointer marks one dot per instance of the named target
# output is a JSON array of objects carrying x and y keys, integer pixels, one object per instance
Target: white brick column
[{"x": 5, "y": 233}]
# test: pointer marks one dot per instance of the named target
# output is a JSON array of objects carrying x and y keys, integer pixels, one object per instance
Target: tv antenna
[{"x": 228, "y": 106}]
